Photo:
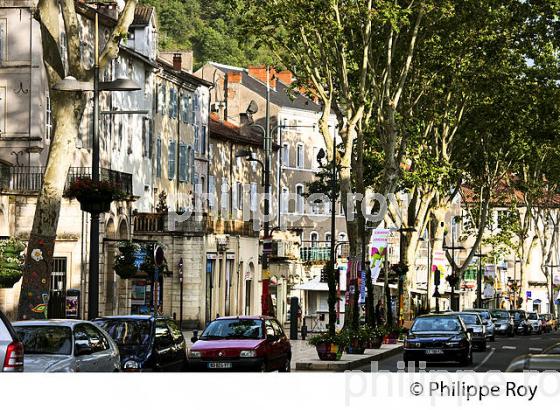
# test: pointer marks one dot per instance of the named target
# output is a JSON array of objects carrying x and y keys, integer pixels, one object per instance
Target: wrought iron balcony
[
  {"x": 315, "y": 252},
  {"x": 29, "y": 180}
]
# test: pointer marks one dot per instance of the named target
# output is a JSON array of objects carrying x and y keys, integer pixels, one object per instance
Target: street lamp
[
  {"x": 453, "y": 248},
  {"x": 479, "y": 255},
  {"x": 321, "y": 155},
  {"x": 71, "y": 84},
  {"x": 250, "y": 157}
]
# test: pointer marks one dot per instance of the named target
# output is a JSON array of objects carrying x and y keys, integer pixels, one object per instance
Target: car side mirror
[
  {"x": 82, "y": 349},
  {"x": 271, "y": 338}
]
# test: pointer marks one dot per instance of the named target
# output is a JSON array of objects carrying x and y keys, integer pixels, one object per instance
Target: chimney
[
  {"x": 177, "y": 61},
  {"x": 259, "y": 73},
  {"x": 286, "y": 77},
  {"x": 234, "y": 77}
]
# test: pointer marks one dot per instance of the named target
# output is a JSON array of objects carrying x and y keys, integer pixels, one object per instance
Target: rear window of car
[
  {"x": 471, "y": 319},
  {"x": 127, "y": 332},
  {"x": 436, "y": 324},
  {"x": 234, "y": 329},
  {"x": 6, "y": 331},
  {"x": 55, "y": 340},
  {"x": 500, "y": 314},
  {"x": 533, "y": 316}
]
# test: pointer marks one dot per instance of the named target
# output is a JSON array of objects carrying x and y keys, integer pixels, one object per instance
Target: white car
[
  {"x": 67, "y": 346},
  {"x": 535, "y": 323}
]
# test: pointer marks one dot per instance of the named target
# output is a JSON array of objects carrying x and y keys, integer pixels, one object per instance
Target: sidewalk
[{"x": 304, "y": 356}]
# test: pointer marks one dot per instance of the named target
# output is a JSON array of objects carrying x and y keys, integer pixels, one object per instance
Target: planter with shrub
[
  {"x": 11, "y": 262},
  {"x": 329, "y": 347}
]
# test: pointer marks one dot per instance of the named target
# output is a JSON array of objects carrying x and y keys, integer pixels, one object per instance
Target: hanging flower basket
[
  {"x": 94, "y": 196},
  {"x": 125, "y": 263},
  {"x": 11, "y": 262}
]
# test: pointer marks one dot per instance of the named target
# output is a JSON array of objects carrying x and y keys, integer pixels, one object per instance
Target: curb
[{"x": 344, "y": 366}]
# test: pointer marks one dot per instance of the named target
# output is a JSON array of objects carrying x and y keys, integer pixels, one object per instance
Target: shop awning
[
  {"x": 537, "y": 302},
  {"x": 315, "y": 284}
]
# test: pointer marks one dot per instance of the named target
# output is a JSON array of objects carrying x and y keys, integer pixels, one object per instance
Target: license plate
[
  {"x": 219, "y": 365},
  {"x": 434, "y": 351}
]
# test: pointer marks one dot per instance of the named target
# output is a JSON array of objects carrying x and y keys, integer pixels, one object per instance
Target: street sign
[{"x": 528, "y": 293}]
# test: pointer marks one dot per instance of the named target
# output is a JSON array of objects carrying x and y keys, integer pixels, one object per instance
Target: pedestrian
[{"x": 380, "y": 313}]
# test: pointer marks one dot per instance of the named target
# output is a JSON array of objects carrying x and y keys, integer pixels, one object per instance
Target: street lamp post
[
  {"x": 551, "y": 301},
  {"x": 453, "y": 248},
  {"x": 479, "y": 255},
  {"x": 70, "y": 84}
]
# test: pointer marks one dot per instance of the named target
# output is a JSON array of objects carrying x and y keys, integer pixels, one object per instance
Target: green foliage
[
  {"x": 11, "y": 261},
  {"x": 210, "y": 28},
  {"x": 340, "y": 339}
]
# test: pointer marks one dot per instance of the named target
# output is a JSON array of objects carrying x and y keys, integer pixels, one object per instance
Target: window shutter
[
  {"x": 192, "y": 165},
  {"x": 211, "y": 191},
  {"x": 182, "y": 163},
  {"x": 158, "y": 158},
  {"x": 234, "y": 195},
  {"x": 253, "y": 196},
  {"x": 171, "y": 160},
  {"x": 225, "y": 195}
]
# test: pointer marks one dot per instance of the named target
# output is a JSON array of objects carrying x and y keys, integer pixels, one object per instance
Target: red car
[{"x": 241, "y": 343}]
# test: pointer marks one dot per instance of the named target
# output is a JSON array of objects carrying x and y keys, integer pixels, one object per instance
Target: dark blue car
[
  {"x": 147, "y": 343},
  {"x": 438, "y": 338}
]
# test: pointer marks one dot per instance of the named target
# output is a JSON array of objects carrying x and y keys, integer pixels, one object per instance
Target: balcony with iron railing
[
  {"x": 319, "y": 252},
  {"x": 149, "y": 223},
  {"x": 29, "y": 180}
]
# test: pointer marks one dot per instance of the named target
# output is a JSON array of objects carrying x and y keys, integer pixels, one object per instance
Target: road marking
[
  {"x": 509, "y": 347},
  {"x": 485, "y": 359},
  {"x": 535, "y": 349}
]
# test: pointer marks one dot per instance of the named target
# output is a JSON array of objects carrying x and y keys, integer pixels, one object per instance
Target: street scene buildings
[{"x": 189, "y": 148}]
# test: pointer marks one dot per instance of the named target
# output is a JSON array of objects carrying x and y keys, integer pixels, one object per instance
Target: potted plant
[
  {"x": 94, "y": 196},
  {"x": 376, "y": 337},
  {"x": 329, "y": 347},
  {"x": 125, "y": 263},
  {"x": 357, "y": 339},
  {"x": 11, "y": 262}
]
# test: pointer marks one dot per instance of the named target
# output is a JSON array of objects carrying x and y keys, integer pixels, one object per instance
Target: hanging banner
[
  {"x": 489, "y": 292},
  {"x": 362, "y": 298},
  {"x": 378, "y": 251},
  {"x": 342, "y": 267},
  {"x": 490, "y": 271}
]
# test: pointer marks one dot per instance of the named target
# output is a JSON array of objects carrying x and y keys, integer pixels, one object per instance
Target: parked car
[
  {"x": 521, "y": 322},
  {"x": 253, "y": 343},
  {"x": 503, "y": 322},
  {"x": 536, "y": 324},
  {"x": 474, "y": 324},
  {"x": 438, "y": 338},
  {"x": 11, "y": 349},
  {"x": 67, "y": 346},
  {"x": 487, "y": 321},
  {"x": 545, "y": 317},
  {"x": 535, "y": 362},
  {"x": 553, "y": 322},
  {"x": 147, "y": 343},
  {"x": 554, "y": 349}
]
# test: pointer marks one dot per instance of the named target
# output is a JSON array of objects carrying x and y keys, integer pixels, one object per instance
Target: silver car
[
  {"x": 487, "y": 320},
  {"x": 67, "y": 346},
  {"x": 11, "y": 349}
]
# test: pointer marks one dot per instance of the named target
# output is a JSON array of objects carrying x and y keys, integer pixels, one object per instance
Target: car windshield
[
  {"x": 483, "y": 314},
  {"x": 518, "y": 315},
  {"x": 500, "y": 314},
  {"x": 471, "y": 319},
  {"x": 56, "y": 340},
  {"x": 436, "y": 324},
  {"x": 233, "y": 329},
  {"x": 533, "y": 316},
  {"x": 127, "y": 332}
]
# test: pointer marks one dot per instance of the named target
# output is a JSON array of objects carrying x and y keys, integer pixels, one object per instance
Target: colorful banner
[
  {"x": 362, "y": 298},
  {"x": 378, "y": 251}
]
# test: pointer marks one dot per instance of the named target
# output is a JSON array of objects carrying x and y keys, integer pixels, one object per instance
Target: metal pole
[
  {"x": 267, "y": 146},
  {"x": 93, "y": 284},
  {"x": 480, "y": 255},
  {"x": 181, "y": 296},
  {"x": 428, "y": 294},
  {"x": 333, "y": 211}
]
